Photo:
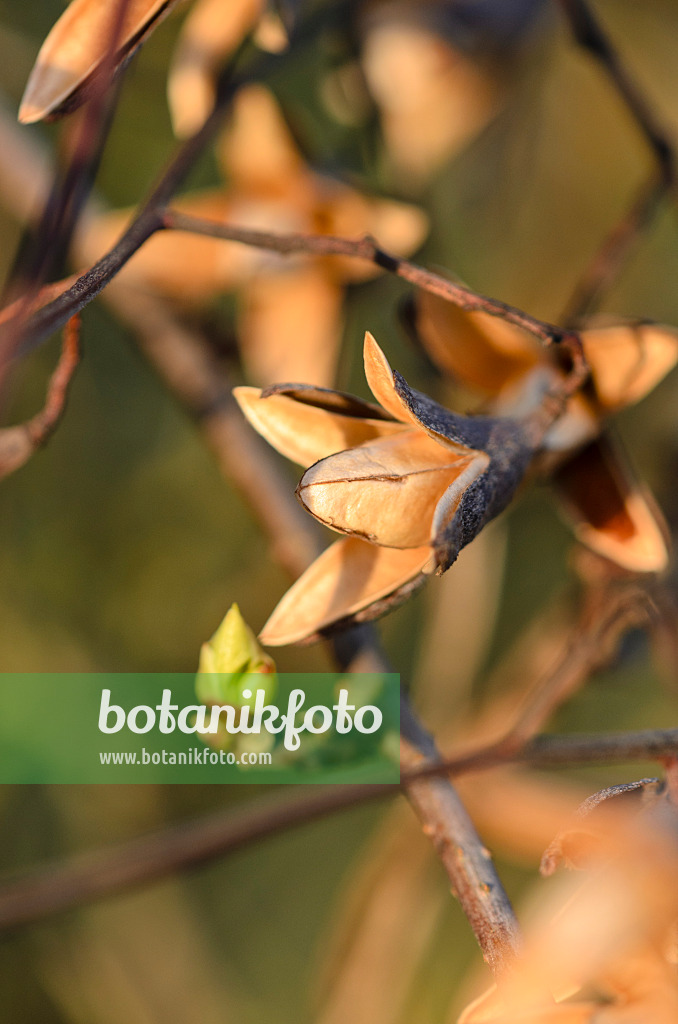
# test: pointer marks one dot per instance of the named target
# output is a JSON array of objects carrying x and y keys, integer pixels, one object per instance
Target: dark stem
[
  {"x": 53, "y": 233},
  {"x": 591, "y": 36},
  {"x": 19, "y": 443},
  {"x": 87, "y": 877},
  {"x": 615, "y": 249},
  {"x": 184, "y": 362},
  {"x": 368, "y": 249},
  {"x": 608, "y": 261}
]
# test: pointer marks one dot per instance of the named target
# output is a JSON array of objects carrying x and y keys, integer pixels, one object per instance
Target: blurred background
[{"x": 123, "y": 547}]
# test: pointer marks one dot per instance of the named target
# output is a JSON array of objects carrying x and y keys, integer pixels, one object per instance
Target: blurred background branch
[{"x": 598, "y": 637}]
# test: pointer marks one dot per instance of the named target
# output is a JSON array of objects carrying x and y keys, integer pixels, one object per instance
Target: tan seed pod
[
  {"x": 77, "y": 47},
  {"x": 628, "y": 360}
]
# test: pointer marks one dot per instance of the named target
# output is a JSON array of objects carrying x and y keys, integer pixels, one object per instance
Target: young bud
[{"x": 229, "y": 660}]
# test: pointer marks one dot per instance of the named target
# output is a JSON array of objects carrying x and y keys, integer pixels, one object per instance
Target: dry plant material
[
  {"x": 575, "y": 846},
  {"x": 432, "y": 97},
  {"x": 611, "y": 512},
  {"x": 410, "y": 484},
  {"x": 289, "y": 309},
  {"x": 606, "y": 956},
  {"x": 78, "y": 47},
  {"x": 383, "y": 923},
  {"x": 210, "y": 34}
]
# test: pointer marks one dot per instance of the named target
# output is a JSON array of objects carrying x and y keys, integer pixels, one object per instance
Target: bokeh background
[{"x": 122, "y": 546}]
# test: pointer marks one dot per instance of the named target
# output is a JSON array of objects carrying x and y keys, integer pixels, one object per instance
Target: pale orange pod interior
[
  {"x": 431, "y": 97},
  {"x": 387, "y": 491},
  {"x": 257, "y": 151},
  {"x": 306, "y": 433},
  {"x": 212, "y": 31},
  {"x": 481, "y": 351},
  {"x": 610, "y": 511},
  {"x": 348, "y": 577},
  {"x": 489, "y": 1009},
  {"x": 290, "y": 326},
  {"x": 627, "y": 361}
]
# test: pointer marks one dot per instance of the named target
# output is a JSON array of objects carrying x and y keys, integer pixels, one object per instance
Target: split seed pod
[
  {"x": 611, "y": 512},
  {"x": 407, "y": 482}
]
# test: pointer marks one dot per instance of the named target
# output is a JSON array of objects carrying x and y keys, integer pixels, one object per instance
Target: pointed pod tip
[
  {"x": 28, "y": 113},
  {"x": 627, "y": 361},
  {"x": 281, "y": 631},
  {"x": 372, "y": 349},
  {"x": 377, "y": 366},
  {"x": 247, "y": 398},
  {"x": 244, "y": 394},
  {"x": 381, "y": 381},
  {"x": 269, "y": 639},
  {"x": 345, "y": 580}
]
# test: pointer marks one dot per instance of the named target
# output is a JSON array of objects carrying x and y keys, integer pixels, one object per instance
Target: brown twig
[
  {"x": 435, "y": 800},
  {"x": 82, "y": 879},
  {"x": 177, "y": 848},
  {"x": 607, "y": 262},
  {"x": 52, "y": 235},
  {"x": 23, "y": 334},
  {"x": 591, "y": 36},
  {"x": 368, "y": 249},
  {"x": 183, "y": 361},
  {"x": 467, "y": 861},
  {"x": 609, "y": 612},
  {"x": 552, "y": 751},
  {"x": 153, "y": 217},
  {"x": 613, "y": 252},
  {"x": 563, "y": 751},
  {"x": 18, "y": 443}
]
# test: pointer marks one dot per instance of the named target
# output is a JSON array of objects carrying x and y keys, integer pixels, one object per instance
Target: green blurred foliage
[{"x": 123, "y": 547}]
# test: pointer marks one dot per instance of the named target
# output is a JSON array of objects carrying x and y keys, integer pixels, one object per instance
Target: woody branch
[
  {"x": 183, "y": 361},
  {"x": 155, "y": 216}
]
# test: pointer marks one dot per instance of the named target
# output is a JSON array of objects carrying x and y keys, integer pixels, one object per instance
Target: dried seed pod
[
  {"x": 78, "y": 46},
  {"x": 410, "y": 491}
]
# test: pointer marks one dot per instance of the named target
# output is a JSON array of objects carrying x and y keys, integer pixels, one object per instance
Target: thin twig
[
  {"x": 591, "y": 36},
  {"x": 149, "y": 858},
  {"x": 606, "y": 616},
  {"x": 50, "y": 240},
  {"x": 563, "y": 751},
  {"x": 607, "y": 262},
  {"x": 22, "y": 335},
  {"x": 153, "y": 217},
  {"x": 368, "y": 249},
  {"x": 467, "y": 861},
  {"x": 608, "y": 748},
  {"x": 82, "y": 879},
  {"x": 184, "y": 363},
  {"x": 18, "y": 443},
  {"x": 613, "y": 252}
]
